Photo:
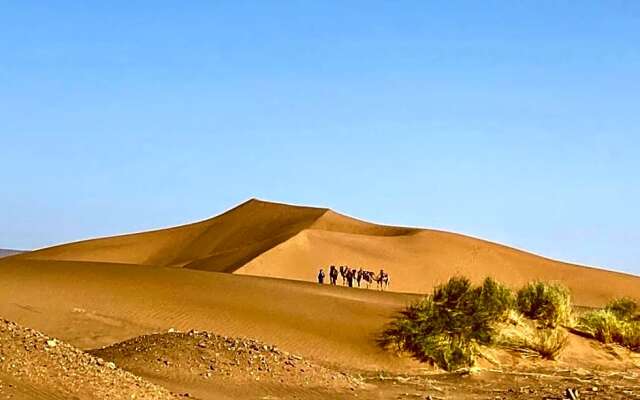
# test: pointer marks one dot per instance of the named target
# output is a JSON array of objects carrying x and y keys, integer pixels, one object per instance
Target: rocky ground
[
  {"x": 33, "y": 365},
  {"x": 202, "y": 365},
  {"x": 497, "y": 384},
  {"x": 207, "y": 360}
]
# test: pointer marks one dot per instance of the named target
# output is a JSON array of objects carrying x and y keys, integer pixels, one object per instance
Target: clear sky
[{"x": 514, "y": 121}]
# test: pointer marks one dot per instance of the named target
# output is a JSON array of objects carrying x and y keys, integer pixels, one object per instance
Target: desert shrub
[
  {"x": 631, "y": 335},
  {"x": 524, "y": 336},
  {"x": 446, "y": 327},
  {"x": 448, "y": 352},
  {"x": 412, "y": 323},
  {"x": 608, "y": 326},
  {"x": 547, "y": 342},
  {"x": 495, "y": 300},
  {"x": 602, "y": 325},
  {"x": 624, "y": 308},
  {"x": 549, "y": 304}
]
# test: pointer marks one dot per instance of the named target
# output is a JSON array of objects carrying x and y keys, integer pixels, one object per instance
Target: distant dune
[
  {"x": 7, "y": 252},
  {"x": 292, "y": 242}
]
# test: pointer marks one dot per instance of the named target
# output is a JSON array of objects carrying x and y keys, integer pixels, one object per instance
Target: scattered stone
[{"x": 38, "y": 361}]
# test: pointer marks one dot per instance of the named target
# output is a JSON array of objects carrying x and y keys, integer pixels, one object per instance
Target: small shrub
[
  {"x": 449, "y": 353},
  {"x": 446, "y": 327},
  {"x": 522, "y": 335},
  {"x": 607, "y": 327},
  {"x": 547, "y": 342},
  {"x": 602, "y": 325},
  {"x": 624, "y": 308},
  {"x": 495, "y": 300},
  {"x": 631, "y": 335},
  {"x": 412, "y": 323},
  {"x": 549, "y": 304}
]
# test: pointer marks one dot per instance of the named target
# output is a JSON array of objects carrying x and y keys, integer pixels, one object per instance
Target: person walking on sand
[
  {"x": 321, "y": 276},
  {"x": 349, "y": 277},
  {"x": 333, "y": 274}
]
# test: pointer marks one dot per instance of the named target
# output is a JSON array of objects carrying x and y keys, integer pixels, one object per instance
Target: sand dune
[
  {"x": 95, "y": 304},
  {"x": 292, "y": 242},
  {"x": 243, "y": 274},
  {"x": 7, "y": 252}
]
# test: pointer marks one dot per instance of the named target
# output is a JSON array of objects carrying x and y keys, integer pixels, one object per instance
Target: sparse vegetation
[
  {"x": 624, "y": 308},
  {"x": 446, "y": 327},
  {"x": 617, "y": 323},
  {"x": 602, "y": 325},
  {"x": 526, "y": 337},
  {"x": 548, "y": 342},
  {"x": 547, "y": 303},
  {"x": 449, "y": 327}
]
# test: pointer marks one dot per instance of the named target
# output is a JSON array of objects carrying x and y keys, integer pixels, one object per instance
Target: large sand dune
[
  {"x": 291, "y": 242},
  {"x": 243, "y": 273}
]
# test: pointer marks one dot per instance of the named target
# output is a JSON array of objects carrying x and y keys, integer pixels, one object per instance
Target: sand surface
[{"x": 250, "y": 273}]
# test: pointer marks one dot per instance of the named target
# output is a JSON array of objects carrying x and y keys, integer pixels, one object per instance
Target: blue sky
[{"x": 517, "y": 122}]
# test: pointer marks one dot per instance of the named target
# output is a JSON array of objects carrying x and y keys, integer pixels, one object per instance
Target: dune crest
[{"x": 292, "y": 242}]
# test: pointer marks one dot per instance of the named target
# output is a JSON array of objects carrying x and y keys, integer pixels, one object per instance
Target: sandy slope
[
  {"x": 96, "y": 304},
  {"x": 419, "y": 261},
  {"x": 291, "y": 242},
  {"x": 224, "y": 242}
]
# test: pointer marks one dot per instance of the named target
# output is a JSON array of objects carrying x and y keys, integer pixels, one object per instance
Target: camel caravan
[{"x": 351, "y": 276}]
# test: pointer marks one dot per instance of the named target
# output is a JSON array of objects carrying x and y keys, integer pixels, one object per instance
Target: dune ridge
[
  {"x": 8, "y": 252},
  {"x": 291, "y": 242}
]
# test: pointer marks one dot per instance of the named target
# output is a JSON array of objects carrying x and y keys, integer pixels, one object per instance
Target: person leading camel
[{"x": 321, "y": 276}]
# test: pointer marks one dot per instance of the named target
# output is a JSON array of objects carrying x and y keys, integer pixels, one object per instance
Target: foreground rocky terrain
[
  {"x": 35, "y": 366},
  {"x": 202, "y": 365},
  {"x": 214, "y": 366}
]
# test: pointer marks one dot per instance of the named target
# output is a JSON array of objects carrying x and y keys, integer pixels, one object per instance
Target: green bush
[
  {"x": 624, "y": 308},
  {"x": 602, "y": 325},
  {"x": 607, "y": 326},
  {"x": 631, "y": 335},
  {"x": 446, "y": 327},
  {"x": 549, "y": 304}
]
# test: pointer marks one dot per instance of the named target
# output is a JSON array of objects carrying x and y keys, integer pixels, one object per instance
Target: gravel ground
[{"x": 33, "y": 365}]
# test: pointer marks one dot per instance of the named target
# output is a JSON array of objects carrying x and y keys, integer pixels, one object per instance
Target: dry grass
[
  {"x": 547, "y": 303},
  {"x": 523, "y": 336},
  {"x": 616, "y": 323}
]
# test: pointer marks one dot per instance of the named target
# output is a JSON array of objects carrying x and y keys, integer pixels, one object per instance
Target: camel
[
  {"x": 368, "y": 277},
  {"x": 382, "y": 280},
  {"x": 343, "y": 272}
]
